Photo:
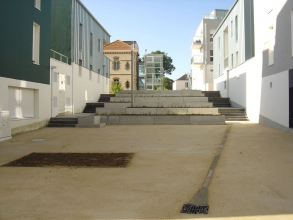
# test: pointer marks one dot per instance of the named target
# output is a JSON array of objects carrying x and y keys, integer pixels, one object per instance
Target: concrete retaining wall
[
  {"x": 162, "y": 119},
  {"x": 160, "y": 99},
  {"x": 157, "y": 111}
]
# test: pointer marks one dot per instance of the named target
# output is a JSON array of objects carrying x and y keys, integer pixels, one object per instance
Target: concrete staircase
[
  {"x": 91, "y": 107},
  {"x": 82, "y": 120},
  {"x": 105, "y": 97},
  {"x": 234, "y": 114},
  {"x": 160, "y": 107},
  {"x": 62, "y": 122}
]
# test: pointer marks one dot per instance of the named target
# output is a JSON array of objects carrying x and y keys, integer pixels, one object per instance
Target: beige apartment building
[{"x": 119, "y": 53}]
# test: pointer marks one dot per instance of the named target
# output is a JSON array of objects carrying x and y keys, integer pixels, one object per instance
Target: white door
[
  {"x": 6, "y": 131},
  {"x": 61, "y": 93}
]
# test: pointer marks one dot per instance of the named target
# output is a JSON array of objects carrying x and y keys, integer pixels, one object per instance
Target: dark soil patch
[{"x": 73, "y": 160}]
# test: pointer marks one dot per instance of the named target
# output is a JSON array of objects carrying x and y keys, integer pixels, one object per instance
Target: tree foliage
[
  {"x": 115, "y": 87},
  {"x": 167, "y": 62},
  {"x": 167, "y": 83}
]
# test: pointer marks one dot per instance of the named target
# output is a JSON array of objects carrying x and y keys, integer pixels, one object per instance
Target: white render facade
[
  {"x": 253, "y": 49},
  {"x": 202, "y": 51},
  {"x": 85, "y": 75}
]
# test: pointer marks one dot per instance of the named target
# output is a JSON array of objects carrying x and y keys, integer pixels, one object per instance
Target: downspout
[
  {"x": 72, "y": 50},
  {"x": 206, "y": 55},
  {"x": 52, "y": 87}
]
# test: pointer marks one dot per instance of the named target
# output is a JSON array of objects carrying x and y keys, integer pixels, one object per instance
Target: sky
[{"x": 165, "y": 25}]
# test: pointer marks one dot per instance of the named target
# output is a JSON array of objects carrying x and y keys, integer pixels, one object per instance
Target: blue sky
[{"x": 163, "y": 25}]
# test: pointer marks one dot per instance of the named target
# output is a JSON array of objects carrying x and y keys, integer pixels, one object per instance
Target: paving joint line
[{"x": 199, "y": 202}]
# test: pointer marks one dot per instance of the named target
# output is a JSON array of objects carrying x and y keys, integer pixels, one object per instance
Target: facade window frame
[
  {"x": 236, "y": 28},
  {"x": 91, "y": 44},
  {"x": 211, "y": 55},
  {"x": 36, "y": 44},
  {"x": 99, "y": 45},
  {"x": 116, "y": 63},
  {"x": 80, "y": 36},
  {"x": 37, "y": 4}
]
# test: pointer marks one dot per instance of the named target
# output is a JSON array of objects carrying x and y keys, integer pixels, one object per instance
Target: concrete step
[
  {"x": 62, "y": 122},
  {"x": 160, "y": 99},
  {"x": 160, "y": 105},
  {"x": 211, "y": 93},
  {"x": 157, "y": 111},
  {"x": 61, "y": 125},
  {"x": 105, "y": 97},
  {"x": 91, "y": 107},
  {"x": 163, "y": 119}
]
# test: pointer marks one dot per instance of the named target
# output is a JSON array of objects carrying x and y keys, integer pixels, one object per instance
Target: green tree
[
  {"x": 167, "y": 62},
  {"x": 167, "y": 83},
  {"x": 115, "y": 87}
]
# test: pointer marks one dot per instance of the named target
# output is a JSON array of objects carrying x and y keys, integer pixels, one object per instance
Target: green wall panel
[
  {"x": 16, "y": 25},
  {"x": 61, "y": 27}
]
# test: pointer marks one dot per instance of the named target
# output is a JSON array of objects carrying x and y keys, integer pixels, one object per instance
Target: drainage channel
[{"x": 199, "y": 203}]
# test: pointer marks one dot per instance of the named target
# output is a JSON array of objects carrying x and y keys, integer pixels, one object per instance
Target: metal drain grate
[{"x": 193, "y": 209}]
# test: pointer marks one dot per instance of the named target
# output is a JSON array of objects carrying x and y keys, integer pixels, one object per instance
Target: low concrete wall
[
  {"x": 159, "y": 104},
  {"x": 163, "y": 120},
  {"x": 30, "y": 127},
  {"x": 160, "y": 99},
  {"x": 157, "y": 111}
]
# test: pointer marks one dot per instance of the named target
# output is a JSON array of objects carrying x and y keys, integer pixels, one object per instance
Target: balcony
[
  {"x": 197, "y": 60},
  {"x": 212, "y": 17},
  {"x": 197, "y": 42}
]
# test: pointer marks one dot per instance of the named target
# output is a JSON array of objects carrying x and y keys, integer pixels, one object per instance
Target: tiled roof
[
  {"x": 184, "y": 77},
  {"x": 117, "y": 45}
]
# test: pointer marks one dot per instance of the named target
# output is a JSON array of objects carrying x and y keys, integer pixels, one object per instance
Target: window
[
  {"x": 211, "y": 55},
  {"x": 116, "y": 80},
  {"x": 211, "y": 38},
  {"x": 232, "y": 28},
  {"x": 99, "y": 45},
  {"x": 237, "y": 61},
  {"x": 36, "y": 44},
  {"x": 67, "y": 80},
  {"x": 127, "y": 84},
  {"x": 91, "y": 44},
  {"x": 99, "y": 73},
  {"x": 116, "y": 64},
  {"x": 80, "y": 36},
  {"x": 80, "y": 68},
  {"x": 21, "y": 102},
  {"x": 127, "y": 66},
  {"x": 225, "y": 85},
  {"x": 90, "y": 73},
  {"x": 186, "y": 84},
  {"x": 236, "y": 28},
  {"x": 232, "y": 61},
  {"x": 37, "y": 4}
]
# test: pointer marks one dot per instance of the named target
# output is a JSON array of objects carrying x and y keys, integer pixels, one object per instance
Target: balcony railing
[
  {"x": 212, "y": 16},
  {"x": 59, "y": 56},
  {"x": 197, "y": 59},
  {"x": 226, "y": 62},
  {"x": 197, "y": 42}
]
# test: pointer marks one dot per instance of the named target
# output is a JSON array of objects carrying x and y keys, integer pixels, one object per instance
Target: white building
[
  {"x": 202, "y": 51},
  {"x": 79, "y": 69},
  {"x": 181, "y": 83},
  {"x": 52, "y": 61},
  {"x": 253, "y": 64}
]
